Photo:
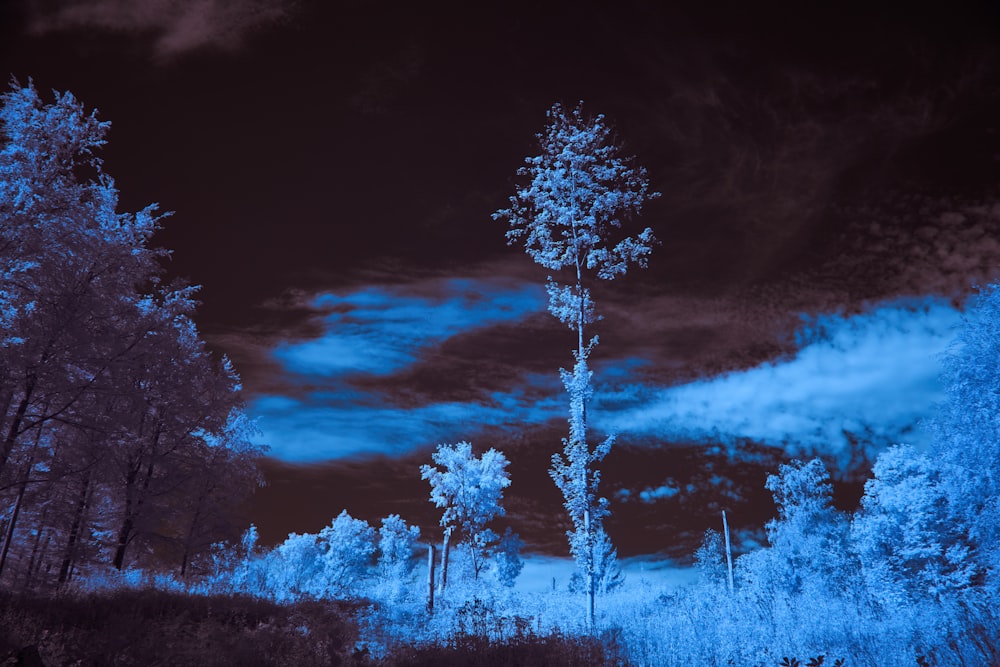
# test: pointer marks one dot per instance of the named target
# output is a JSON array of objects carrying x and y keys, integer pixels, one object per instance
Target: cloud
[
  {"x": 347, "y": 389},
  {"x": 178, "y": 26},
  {"x": 327, "y": 426},
  {"x": 873, "y": 375},
  {"x": 381, "y": 330},
  {"x": 374, "y": 372},
  {"x": 650, "y": 495}
]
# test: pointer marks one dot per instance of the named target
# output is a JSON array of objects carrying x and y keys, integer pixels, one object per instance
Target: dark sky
[{"x": 830, "y": 199}]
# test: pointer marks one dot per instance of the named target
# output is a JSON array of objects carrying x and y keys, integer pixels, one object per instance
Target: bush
[{"x": 151, "y": 627}]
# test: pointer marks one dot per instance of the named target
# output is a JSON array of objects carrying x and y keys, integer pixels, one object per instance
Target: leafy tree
[
  {"x": 109, "y": 402},
  {"x": 332, "y": 562},
  {"x": 710, "y": 559},
  {"x": 396, "y": 542},
  {"x": 72, "y": 266},
  {"x": 508, "y": 561},
  {"x": 347, "y": 546},
  {"x": 966, "y": 446},
  {"x": 294, "y": 567},
  {"x": 906, "y": 539},
  {"x": 808, "y": 552},
  {"x": 569, "y": 216},
  {"x": 470, "y": 489}
]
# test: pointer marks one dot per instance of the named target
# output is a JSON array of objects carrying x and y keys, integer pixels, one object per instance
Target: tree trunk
[
  {"x": 124, "y": 537},
  {"x": 132, "y": 510},
  {"x": 729, "y": 551},
  {"x": 445, "y": 547},
  {"x": 430, "y": 578},
  {"x": 15, "y": 426},
  {"x": 33, "y": 560},
  {"x": 590, "y": 570},
  {"x": 186, "y": 556},
  {"x": 8, "y": 535},
  {"x": 74, "y": 533},
  {"x": 32, "y": 573},
  {"x": 7, "y": 398}
]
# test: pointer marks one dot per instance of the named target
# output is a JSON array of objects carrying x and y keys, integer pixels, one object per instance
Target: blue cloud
[
  {"x": 380, "y": 330},
  {"x": 328, "y": 426},
  {"x": 874, "y": 375},
  {"x": 651, "y": 495},
  {"x": 376, "y": 332}
]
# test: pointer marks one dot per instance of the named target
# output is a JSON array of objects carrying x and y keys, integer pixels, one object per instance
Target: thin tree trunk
[
  {"x": 74, "y": 533},
  {"x": 33, "y": 560},
  {"x": 15, "y": 426},
  {"x": 189, "y": 540},
  {"x": 125, "y": 534},
  {"x": 590, "y": 570},
  {"x": 8, "y": 398},
  {"x": 729, "y": 551},
  {"x": 124, "y": 537},
  {"x": 41, "y": 558},
  {"x": 430, "y": 578},
  {"x": 445, "y": 547},
  {"x": 8, "y": 537}
]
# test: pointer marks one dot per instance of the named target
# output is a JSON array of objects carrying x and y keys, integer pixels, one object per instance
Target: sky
[{"x": 829, "y": 204}]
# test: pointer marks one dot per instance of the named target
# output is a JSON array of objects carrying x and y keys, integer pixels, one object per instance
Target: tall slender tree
[{"x": 569, "y": 216}]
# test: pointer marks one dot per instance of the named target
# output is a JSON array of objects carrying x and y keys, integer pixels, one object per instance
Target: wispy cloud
[
  {"x": 381, "y": 330},
  {"x": 366, "y": 341},
  {"x": 323, "y": 427},
  {"x": 178, "y": 26},
  {"x": 873, "y": 376},
  {"x": 372, "y": 374}
]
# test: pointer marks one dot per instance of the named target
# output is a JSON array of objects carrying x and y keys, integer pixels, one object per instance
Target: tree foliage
[
  {"x": 966, "y": 446},
  {"x": 910, "y": 546},
  {"x": 396, "y": 544},
  {"x": 470, "y": 489},
  {"x": 569, "y": 215},
  {"x": 117, "y": 425}
]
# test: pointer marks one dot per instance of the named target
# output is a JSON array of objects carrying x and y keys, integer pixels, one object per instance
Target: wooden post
[
  {"x": 430, "y": 577},
  {"x": 729, "y": 550},
  {"x": 444, "y": 558}
]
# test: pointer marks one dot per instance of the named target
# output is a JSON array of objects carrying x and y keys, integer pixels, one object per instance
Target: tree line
[{"x": 122, "y": 437}]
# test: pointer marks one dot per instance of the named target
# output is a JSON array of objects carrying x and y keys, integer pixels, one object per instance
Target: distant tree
[
  {"x": 346, "y": 549},
  {"x": 508, "y": 560},
  {"x": 332, "y": 563},
  {"x": 966, "y": 446},
  {"x": 905, "y": 535},
  {"x": 470, "y": 489},
  {"x": 808, "y": 552},
  {"x": 569, "y": 216},
  {"x": 396, "y": 543},
  {"x": 710, "y": 559},
  {"x": 293, "y": 567}
]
